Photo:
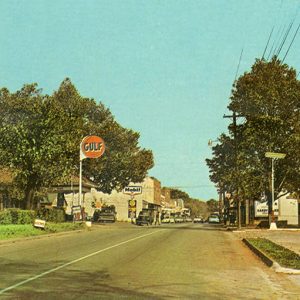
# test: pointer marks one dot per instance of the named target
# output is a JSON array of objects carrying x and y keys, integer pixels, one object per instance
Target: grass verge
[
  {"x": 285, "y": 257},
  {"x": 26, "y": 230}
]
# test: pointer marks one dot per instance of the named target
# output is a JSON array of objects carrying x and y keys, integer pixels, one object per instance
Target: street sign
[
  {"x": 39, "y": 223},
  {"x": 92, "y": 147},
  {"x": 275, "y": 155},
  {"x": 132, "y": 190},
  {"x": 132, "y": 209}
]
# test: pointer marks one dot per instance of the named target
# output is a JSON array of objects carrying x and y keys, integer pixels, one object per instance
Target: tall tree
[
  {"x": 269, "y": 99},
  {"x": 40, "y": 137}
]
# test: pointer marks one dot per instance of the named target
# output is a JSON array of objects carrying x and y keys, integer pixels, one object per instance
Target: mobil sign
[{"x": 92, "y": 146}]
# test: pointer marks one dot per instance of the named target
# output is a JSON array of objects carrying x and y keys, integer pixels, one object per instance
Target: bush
[
  {"x": 16, "y": 216},
  {"x": 56, "y": 215},
  {"x": 26, "y": 216},
  {"x": 5, "y": 217}
]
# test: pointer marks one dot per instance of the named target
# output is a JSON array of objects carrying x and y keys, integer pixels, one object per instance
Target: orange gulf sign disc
[{"x": 92, "y": 146}]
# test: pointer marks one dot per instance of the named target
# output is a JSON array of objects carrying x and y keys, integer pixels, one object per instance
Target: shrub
[
  {"x": 5, "y": 217},
  {"x": 56, "y": 215},
  {"x": 26, "y": 216},
  {"x": 16, "y": 216}
]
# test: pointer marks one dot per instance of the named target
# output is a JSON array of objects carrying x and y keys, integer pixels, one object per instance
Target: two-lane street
[{"x": 118, "y": 261}]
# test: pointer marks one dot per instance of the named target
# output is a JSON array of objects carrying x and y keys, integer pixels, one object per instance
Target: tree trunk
[{"x": 28, "y": 198}]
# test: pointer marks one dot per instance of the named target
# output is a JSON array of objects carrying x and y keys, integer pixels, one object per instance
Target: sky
[{"x": 163, "y": 68}]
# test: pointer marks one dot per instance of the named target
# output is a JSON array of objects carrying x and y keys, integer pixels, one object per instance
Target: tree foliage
[
  {"x": 40, "y": 137},
  {"x": 268, "y": 98},
  {"x": 196, "y": 206}
]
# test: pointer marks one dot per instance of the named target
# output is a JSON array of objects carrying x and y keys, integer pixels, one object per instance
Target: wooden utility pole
[{"x": 234, "y": 116}]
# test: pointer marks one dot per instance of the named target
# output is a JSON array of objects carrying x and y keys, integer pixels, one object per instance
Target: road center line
[{"x": 73, "y": 262}]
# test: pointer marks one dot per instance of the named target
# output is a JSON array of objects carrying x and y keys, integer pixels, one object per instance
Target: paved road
[{"x": 186, "y": 261}]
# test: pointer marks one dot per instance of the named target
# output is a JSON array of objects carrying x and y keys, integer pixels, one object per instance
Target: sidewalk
[{"x": 288, "y": 238}]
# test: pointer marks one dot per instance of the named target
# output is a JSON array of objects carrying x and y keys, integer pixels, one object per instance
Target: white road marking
[{"x": 73, "y": 262}]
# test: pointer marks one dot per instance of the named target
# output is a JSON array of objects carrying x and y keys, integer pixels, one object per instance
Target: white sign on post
[
  {"x": 39, "y": 223},
  {"x": 132, "y": 190}
]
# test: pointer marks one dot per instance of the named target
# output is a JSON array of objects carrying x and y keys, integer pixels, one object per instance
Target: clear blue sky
[{"x": 163, "y": 68}]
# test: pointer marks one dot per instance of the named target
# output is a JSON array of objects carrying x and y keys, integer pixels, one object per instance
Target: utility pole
[{"x": 234, "y": 116}]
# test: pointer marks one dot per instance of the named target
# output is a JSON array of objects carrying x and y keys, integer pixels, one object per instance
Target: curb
[{"x": 269, "y": 261}]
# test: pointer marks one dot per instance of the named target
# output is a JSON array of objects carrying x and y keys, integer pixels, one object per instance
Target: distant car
[
  {"x": 198, "y": 220},
  {"x": 172, "y": 220},
  {"x": 165, "y": 220},
  {"x": 213, "y": 219},
  {"x": 188, "y": 219},
  {"x": 179, "y": 220}
]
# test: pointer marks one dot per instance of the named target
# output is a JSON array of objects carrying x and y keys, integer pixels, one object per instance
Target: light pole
[{"x": 273, "y": 156}]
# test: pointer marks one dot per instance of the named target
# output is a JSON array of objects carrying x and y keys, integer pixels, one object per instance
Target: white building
[
  {"x": 288, "y": 210},
  {"x": 146, "y": 194},
  {"x": 285, "y": 209}
]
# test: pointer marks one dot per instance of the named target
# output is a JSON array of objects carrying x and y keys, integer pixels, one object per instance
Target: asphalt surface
[{"x": 123, "y": 261}]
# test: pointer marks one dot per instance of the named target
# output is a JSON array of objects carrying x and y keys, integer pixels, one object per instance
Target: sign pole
[
  {"x": 273, "y": 195},
  {"x": 90, "y": 147},
  {"x": 80, "y": 180},
  {"x": 273, "y": 156}
]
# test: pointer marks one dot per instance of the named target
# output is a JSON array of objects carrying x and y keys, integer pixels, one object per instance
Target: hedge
[
  {"x": 16, "y": 216},
  {"x": 56, "y": 215}
]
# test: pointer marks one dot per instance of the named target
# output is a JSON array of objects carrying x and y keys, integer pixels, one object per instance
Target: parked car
[
  {"x": 214, "y": 219},
  {"x": 198, "y": 220},
  {"x": 172, "y": 220},
  {"x": 165, "y": 220},
  {"x": 188, "y": 219},
  {"x": 179, "y": 219},
  {"x": 145, "y": 217},
  {"x": 105, "y": 214}
]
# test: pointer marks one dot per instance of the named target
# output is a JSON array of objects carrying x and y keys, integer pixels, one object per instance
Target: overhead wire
[
  {"x": 285, "y": 37},
  {"x": 238, "y": 66},
  {"x": 291, "y": 43},
  {"x": 277, "y": 36},
  {"x": 263, "y": 56},
  {"x": 276, "y": 41}
]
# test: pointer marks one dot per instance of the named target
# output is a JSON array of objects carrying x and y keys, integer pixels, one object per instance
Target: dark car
[
  {"x": 105, "y": 215},
  {"x": 145, "y": 217}
]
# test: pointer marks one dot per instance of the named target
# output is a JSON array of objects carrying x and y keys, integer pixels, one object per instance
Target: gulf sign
[{"x": 92, "y": 146}]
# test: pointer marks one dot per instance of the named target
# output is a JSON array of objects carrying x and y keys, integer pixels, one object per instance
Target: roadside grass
[
  {"x": 27, "y": 230},
  {"x": 285, "y": 257}
]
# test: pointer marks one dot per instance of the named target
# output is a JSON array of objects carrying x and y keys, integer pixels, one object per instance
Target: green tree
[
  {"x": 178, "y": 194},
  {"x": 268, "y": 97},
  {"x": 40, "y": 137},
  {"x": 197, "y": 207},
  {"x": 212, "y": 205},
  {"x": 28, "y": 145}
]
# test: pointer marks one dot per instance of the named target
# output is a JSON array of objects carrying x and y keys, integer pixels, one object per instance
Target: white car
[
  {"x": 213, "y": 219},
  {"x": 198, "y": 220},
  {"x": 172, "y": 220},
  {"x": 165, "y": 220},
  {"x": 178, "y": 220}
]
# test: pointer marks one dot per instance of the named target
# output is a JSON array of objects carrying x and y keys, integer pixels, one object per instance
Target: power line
[
  {"x": 285, "y": 37},
  {"x": 276, "y": 41},
  {"x": 291, "y": 43},
  {"x": 238, "y": 67},
  {"x": 267, "y": 43}
]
